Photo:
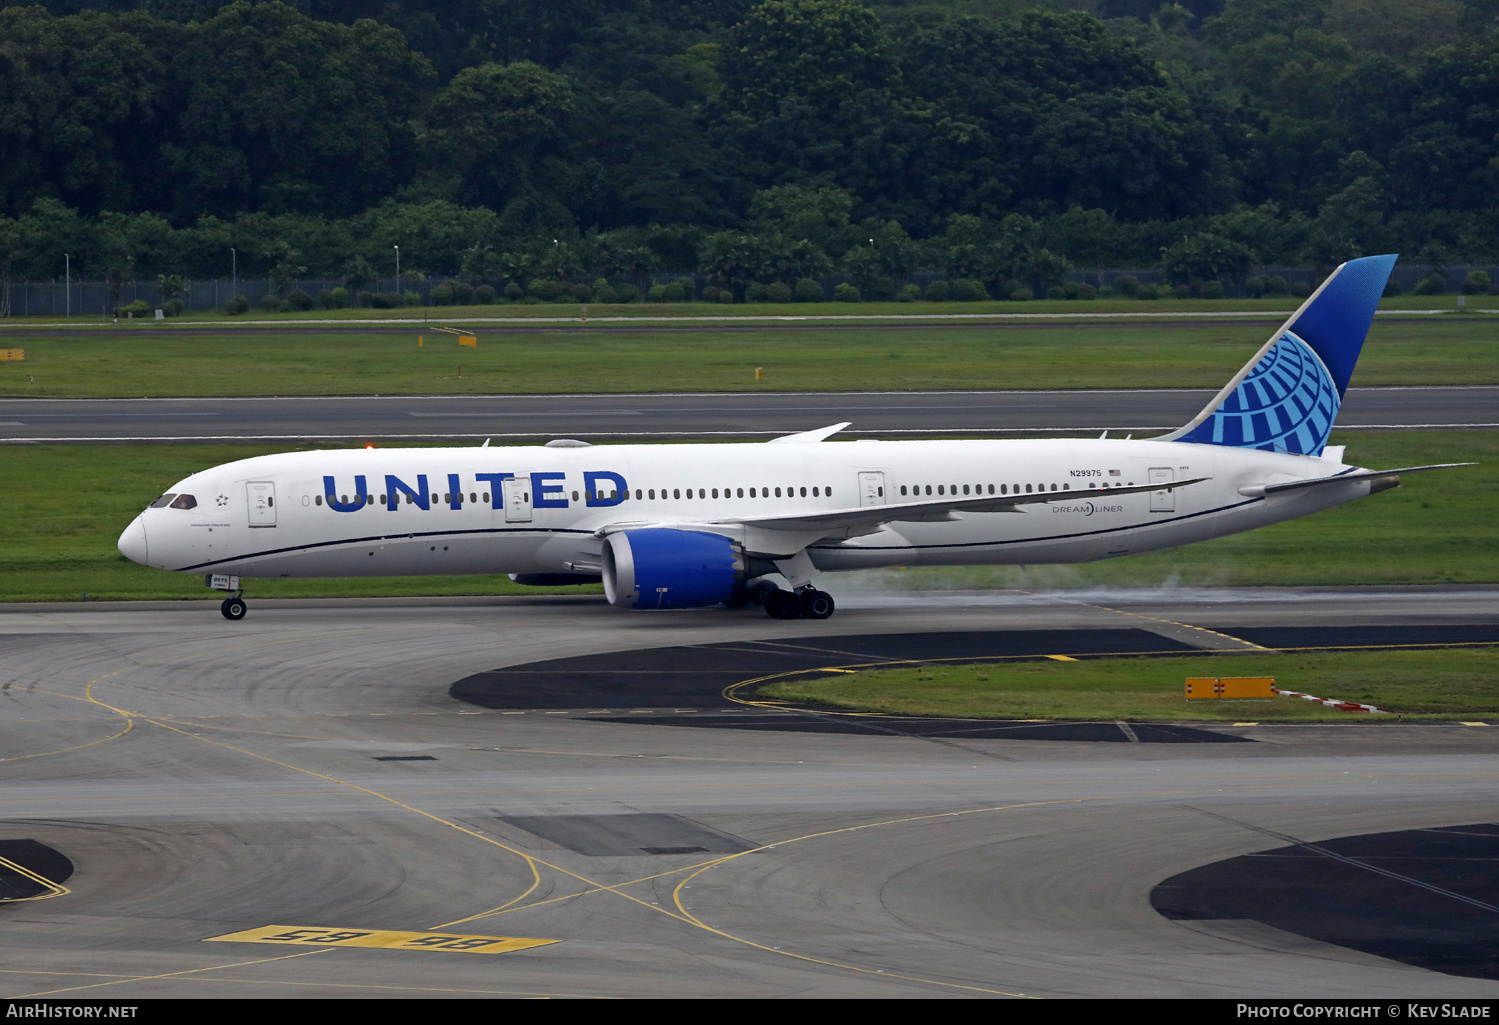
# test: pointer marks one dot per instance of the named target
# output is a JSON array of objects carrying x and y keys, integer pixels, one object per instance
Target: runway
[
  {"x": 316, "y": 778},
  {"x": 524, "y": 419}
]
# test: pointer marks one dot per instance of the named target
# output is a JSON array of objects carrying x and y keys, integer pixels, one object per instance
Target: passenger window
[
  {"x": 184, "y": 502},
  {"x": 804, "y": 492},
  {"x": 368, "y": 500},
  {"x": 715, "y": 492},
  {"x": 814, "y": 492},
  {"x": 741, "y": 492},
  {"x": 653, "y": 494},
  {"x": 991, "y": 489},
  {"x": 702, "y": 493},
  {"x": 940, "y": 490},
  {"x": 317, "y": 499},
  {"x": 163, "y": 501},
  {"x": 676, "y": 493},
  {"x": 472, "y": 497},
  {"x": 575, "y": 496},
  {"x": 1027, "y": 489},
  {"x": 778, "y": 492},
  {"x": 965, "y": 489}
]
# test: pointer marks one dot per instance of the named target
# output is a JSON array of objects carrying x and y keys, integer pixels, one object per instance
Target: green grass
[
  {"x": 437, "y": 314},
  {"x": 1447, "y": 683},
  {"x": 63, "y": 507},
  {"x": 148, "y": 361}
]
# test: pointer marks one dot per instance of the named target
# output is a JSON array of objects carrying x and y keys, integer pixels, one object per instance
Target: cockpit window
[
  {"x": 161, "y": 502},
  {"x": 184, "y": 502}
]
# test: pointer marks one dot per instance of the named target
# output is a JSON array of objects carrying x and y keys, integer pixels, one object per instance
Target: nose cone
[{"x": 132, "y": 542}]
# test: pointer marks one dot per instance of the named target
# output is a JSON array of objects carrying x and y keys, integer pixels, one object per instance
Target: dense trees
[{"x": 752, "y": 140}]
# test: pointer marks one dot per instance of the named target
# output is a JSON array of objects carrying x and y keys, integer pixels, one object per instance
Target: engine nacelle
[{"x": 666, "y": 568}]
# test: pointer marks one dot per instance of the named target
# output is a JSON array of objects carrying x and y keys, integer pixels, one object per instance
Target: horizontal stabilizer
[{"x": 1260, "y": 490}]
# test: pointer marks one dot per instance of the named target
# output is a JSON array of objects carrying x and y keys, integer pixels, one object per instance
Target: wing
[
  {"x": 809, "y": 437},
  {"x": 787, "y": 534},
  {"x": 1393, "y": 476}
]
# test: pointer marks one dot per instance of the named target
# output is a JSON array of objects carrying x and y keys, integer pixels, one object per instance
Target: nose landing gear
[{"x": 233, "y": 608}]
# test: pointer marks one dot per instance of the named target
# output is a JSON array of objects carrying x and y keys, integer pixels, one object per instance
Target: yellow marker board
[
  {"x": 12, "y": 355},
  {"x": 1229, "y": 687},
  {"x": 316, "y": 936}
]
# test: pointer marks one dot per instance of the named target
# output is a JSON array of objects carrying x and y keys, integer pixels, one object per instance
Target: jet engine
[{"x": 667, "y": 568}]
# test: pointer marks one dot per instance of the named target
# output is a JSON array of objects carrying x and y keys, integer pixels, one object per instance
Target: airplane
[{"x": 675, "y": 526}]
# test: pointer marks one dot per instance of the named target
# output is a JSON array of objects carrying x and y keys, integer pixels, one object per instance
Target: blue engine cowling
[{"x": 665, "y": 568}]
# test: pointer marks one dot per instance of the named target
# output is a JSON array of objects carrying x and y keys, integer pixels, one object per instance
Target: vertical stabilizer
[{"x": 1286, "y": 398}]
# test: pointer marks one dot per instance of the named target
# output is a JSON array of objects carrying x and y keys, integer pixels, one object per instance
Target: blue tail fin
[{"x": 1286, "y": 398}]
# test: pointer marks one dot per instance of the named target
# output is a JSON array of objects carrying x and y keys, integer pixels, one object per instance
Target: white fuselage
[{"x": 449, "y": 510}]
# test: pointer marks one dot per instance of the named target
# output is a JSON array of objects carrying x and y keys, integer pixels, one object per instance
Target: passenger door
[
  {"x": 517, "y": 491},
  {"x": 1163, "y": 500},
  {"x": 871, "y": 488},
  {"x": 262, "y": 498}
]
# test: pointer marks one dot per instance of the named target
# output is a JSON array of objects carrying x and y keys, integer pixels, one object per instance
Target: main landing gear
[
  {"x": 808, "y": 602},
  {"x": 233, "y": 608}
]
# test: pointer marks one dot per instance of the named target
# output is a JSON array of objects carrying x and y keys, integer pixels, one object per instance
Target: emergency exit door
[{"x": 262, "y": 496}]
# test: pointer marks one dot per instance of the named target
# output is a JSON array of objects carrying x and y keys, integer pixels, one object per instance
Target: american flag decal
[{"x": 1113, "y": 473}]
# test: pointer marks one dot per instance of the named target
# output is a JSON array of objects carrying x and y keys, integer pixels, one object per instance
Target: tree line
[{"x": 749, "y": 142}]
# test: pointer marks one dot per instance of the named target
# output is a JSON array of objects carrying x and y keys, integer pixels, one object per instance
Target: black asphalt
[
  {"x": 1426, "y": 897},
  {"x": 527, "y": 419},
  {"x": 1401, "y": 635},
  {"x": 20, "y": 860},
  {"x": 695, "y": 676},
  {"x": 685, "y": 685}
]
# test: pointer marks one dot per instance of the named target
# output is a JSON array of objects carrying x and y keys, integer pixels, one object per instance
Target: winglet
[{"x": 809, "y": 437}]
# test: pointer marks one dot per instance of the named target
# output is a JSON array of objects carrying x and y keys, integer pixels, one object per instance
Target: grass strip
[
  {"x": 1441, "y": 683},
  {"x": 1285, "y": 305},
  {"x": 154, "y": 362},
  {"x": 64, "y": 506}
]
